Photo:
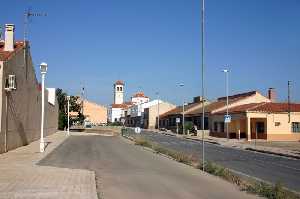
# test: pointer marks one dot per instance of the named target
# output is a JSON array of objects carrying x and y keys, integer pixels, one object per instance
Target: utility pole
[
  {"x": 157, "y": 93},
  {"x": 203, "y": 98},
  {"x": 289, "y": 100}
]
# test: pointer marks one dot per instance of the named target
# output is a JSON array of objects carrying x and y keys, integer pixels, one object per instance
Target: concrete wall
[{"x": 24, "y": 105}]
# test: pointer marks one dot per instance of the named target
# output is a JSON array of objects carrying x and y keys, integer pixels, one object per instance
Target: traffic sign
[
  {"x": 177, "y": 120},
  {"x": 137, "y": 130},
  {"x": 227, "y": 118}
]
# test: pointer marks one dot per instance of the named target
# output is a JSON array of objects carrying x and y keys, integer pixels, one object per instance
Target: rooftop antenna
[
  {"x": 27, "y": 18},
  {"x": 1, "y": 33}
]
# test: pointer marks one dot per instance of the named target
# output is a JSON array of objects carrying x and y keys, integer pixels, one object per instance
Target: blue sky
[{"x": 154, "y": 45}]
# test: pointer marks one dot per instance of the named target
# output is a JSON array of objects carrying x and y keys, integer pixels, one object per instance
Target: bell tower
[{"x": 119, "y": 92}]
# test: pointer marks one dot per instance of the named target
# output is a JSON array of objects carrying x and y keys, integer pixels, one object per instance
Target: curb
[{"x": 273, "y": 153}]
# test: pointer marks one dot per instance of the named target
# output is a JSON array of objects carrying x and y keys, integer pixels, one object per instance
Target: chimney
[
  {"x": 272, "y": 94},
  {"x": 9, "y": 37}
]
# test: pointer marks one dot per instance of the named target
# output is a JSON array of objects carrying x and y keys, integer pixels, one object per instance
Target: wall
[
  {"x": 163, "y": 108},
  {"x": 24, "y": 105},
  {"x": 96, "y": 113},
  {"x": 282, "y": 132}
]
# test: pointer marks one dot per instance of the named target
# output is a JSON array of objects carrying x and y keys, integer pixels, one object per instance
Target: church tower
[{"x": 119, "y": 92}]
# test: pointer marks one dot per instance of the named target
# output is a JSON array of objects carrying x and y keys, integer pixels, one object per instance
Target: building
[
  {"x": 193, "y": 111},
  {"x": 20, "y": 106},
  {"x": 118, "y": 109},
  {"x": 253, "y": 116},
  {"x": 267, "y": 120},
  {"x": 145, "y": 114}
]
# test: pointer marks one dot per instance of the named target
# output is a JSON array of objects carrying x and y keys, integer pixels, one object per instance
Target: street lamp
[
  {"x": 182, "y": 85},
  {"x": 68, "y": 99},
  {"x": 43, "y": 68},
  {"x": 226, "y": 71},
  {"x": 157, "y": 93}
]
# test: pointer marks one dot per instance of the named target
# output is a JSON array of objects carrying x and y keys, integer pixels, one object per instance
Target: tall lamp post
[
  {"x": 68, "y": 99},
  {"x": 226, "y": 71},
  {"x": 43, "y": 68},
  {"x": 157, "y": 93},
  {"x": 182, "y": 85}
]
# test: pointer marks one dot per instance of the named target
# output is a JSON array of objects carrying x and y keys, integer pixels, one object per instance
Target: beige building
[
  {"x": 269, "y": 121},
  {"x": 20, "y": 107},
  {"x": 95, "y": 113},
  {"x": 151, "y": 113}
]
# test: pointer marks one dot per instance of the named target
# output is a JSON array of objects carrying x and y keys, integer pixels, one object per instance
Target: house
[
  {"x": 94, "y": 113},
  {"x": 193, "y": 111},
  {"x": 145, "y": 114},
  {"x": 20, "y": 96},
  {"x": 267, "y": 120}
]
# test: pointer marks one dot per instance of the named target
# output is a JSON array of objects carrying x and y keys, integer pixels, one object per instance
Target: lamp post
[
  {"x": 182, "y": 85},
  {"x": 157, "y": 93},
  {"x": 226, "y": 71},
  {"x": 43, "y": 68},
  {"x": 68, "y": 99}
]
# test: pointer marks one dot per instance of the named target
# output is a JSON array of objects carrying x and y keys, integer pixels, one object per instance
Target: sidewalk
[
  {"x": 242, "y": 144},
  {"x": 21, "y": 178}
]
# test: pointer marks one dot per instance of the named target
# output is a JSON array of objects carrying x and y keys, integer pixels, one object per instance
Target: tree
[{"x": 75, "y": 106}]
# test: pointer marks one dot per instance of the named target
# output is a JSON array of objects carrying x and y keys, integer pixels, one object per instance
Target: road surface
[
  {"x": 267, "y": 167},
  {"x": 127, "y": 171}
]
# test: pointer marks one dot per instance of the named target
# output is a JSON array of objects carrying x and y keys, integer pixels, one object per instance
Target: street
[
  {"x": 124, "y": 170},
  {"x": 267, "y": 167}
]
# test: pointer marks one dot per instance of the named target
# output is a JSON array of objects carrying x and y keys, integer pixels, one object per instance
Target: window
[
  {"x": 260, "y": 127},
  {"x": 215, "y": 126},
  {"x": 118, "y": 88},
  {"x": 296, "y": 127},
  {"x": 277, "y": 123},
  {"x": 121, "y": 88}
]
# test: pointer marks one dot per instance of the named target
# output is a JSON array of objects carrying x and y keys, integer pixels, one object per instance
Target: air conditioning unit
[{"x": 10, "y": 83}]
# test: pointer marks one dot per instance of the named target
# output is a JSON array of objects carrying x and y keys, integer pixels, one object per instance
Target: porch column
[
  {"x": 248, "y": 128},
  {"x": 238, "y": 126}
]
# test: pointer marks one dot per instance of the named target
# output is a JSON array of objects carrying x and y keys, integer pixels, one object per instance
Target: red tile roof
[
  {"x": 124, "y": 105},
  {"x": 268, "y": 107},
  {"x": 6, "y": 55},
  {"x": 178, "y": 110},
  {"x": 119, "y": 82},
  {"x": 140, "y": 94}
]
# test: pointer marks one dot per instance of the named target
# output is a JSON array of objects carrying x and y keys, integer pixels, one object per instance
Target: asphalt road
[
  {"x": 267, "y": 167},
  {"x": 127, "y": 171}
]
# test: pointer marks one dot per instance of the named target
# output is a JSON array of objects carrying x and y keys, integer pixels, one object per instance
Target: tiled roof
[
  {"x": 268, "y": 107},
  {"x": 6, "y": 55},
  {"x": 119, "y": 82},
  {"x": 240, "y": 95},
  {"x": 125, "y": 106},
  {"x": 140, "y": 94},
  {"x": 178, "y": 110}
]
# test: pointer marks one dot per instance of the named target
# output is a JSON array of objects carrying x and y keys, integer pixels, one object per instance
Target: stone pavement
[{"x": 21, "y": 178}]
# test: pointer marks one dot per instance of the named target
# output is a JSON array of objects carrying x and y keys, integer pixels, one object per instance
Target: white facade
[
  {"x": 138, "y": 109},
  {"x": 139, "y": 100},
  {"x": 114, "y": 114}
]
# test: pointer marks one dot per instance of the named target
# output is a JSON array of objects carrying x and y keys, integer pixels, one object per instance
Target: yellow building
[{"x": 269, "y": 121}]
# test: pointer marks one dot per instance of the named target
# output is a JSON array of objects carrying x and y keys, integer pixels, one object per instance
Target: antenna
[
  {"x": 1, "y": 33},
  {"x": 289, "y": 100},
  {"x": 27, "y": 16}
]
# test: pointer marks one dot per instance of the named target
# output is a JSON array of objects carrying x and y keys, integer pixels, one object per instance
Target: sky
[{"x": 155, "y": 45}]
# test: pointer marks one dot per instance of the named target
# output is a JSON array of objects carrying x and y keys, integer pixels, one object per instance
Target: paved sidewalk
[{"x": 21, "y": 178}]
